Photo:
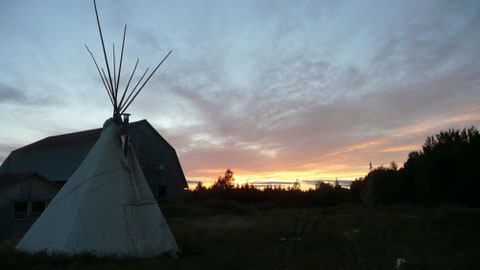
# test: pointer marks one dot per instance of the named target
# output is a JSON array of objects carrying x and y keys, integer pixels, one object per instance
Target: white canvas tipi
[{"x": 106, "y": 207}]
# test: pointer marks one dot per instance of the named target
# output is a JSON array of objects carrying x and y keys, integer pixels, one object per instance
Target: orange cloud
[{"x": 403, "y": 148}]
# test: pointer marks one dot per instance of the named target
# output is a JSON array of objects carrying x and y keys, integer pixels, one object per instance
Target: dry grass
[{"x": 248, "y": 237}]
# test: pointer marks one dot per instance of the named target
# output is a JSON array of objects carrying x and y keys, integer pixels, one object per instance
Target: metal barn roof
[{"x": 57, "y": 157}]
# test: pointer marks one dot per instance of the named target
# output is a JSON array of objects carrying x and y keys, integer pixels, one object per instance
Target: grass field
[{"x": 226, "y": 235}]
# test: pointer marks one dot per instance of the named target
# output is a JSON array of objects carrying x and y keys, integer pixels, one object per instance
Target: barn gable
[{"x": 23, "y": 197}]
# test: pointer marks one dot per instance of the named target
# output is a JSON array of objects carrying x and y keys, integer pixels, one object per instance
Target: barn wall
[
  {"x": 30, "y": 189},
  {"x": 159, "y": 162}
]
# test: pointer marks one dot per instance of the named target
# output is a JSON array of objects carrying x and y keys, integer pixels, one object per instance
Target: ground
[{"x": 226, "y": 235}]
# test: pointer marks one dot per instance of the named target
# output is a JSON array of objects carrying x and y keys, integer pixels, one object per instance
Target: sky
[{"x": 274, "y": 90}]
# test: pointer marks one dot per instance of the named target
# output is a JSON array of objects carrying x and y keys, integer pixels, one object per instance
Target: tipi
[{"x": 106, "y": 207}]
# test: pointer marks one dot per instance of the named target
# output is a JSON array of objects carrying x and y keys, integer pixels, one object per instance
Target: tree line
[
  {"x": 323, "y": 194},
  {"x": 445, "y": 170}
]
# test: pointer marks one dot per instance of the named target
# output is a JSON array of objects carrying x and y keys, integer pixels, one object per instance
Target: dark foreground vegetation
[
  {"x": 422, "y": 215},
  {"x": 215, "y": 234}
]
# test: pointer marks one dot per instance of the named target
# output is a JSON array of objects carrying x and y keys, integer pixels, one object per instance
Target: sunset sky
[{"x": 275, "y": 90}]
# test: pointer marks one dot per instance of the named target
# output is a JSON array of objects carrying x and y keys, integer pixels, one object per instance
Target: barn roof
[
  {"x": 57, "y": 157},
  {"x": 55, "y": 161},
  {"x": 66, "y": 139}
]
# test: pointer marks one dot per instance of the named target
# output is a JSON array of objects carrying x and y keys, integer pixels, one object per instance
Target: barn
[
  {"x": 23, "y": 197},
  {"x": 51, "y": 162}
]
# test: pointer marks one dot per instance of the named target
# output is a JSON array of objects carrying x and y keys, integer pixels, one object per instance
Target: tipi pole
[
  {"x": 139, "y": 81},
  {"x": 121, "y": 59},
  {"x": 140, "y": 89},
  {"x": 104, "y": 51},
  {"x": 128, "y": 84},
  {"x": 114, "y": 72},
  {"x": 100, "y": 73}
]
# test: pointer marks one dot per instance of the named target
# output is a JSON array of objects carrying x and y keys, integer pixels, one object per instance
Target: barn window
[
  {"x": 20, "y": 209},
  {"x": 162, "y": 190},
  {"x": 37, "y": 208},
  {"x": 25, "y": 209}
]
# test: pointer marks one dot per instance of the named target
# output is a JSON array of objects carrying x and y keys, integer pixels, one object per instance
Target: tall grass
[{"x": 213, "y": 235}]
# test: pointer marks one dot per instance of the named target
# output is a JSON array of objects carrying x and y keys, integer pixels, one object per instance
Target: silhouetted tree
[
  {"x": 383, "y": 185},
  {"x": 357, "y": 187},
  {"x": 296, "y": 185},
  {"x": 445, "y": 170},
  {"x": 393, "y": 166},
  {"x": 200, "y": 187},
  {"x": 225, "y": 182}
]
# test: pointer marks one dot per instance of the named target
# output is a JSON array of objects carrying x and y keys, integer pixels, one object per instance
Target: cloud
[
  {"x": 271, "y": 183},
  {"x": 314, "y": 182},
  {"x": 305, "y": 108},
  {"x": 12, "y": 95},
  {"x": 192, "y": 182}
]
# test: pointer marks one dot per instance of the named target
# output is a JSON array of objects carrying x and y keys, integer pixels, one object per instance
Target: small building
[
  {"x": 23, "y": 197},
  {"x": 57, "y": 157}
]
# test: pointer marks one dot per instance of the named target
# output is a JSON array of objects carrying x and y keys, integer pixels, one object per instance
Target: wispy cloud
[{"x": 13, "y": 95}]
